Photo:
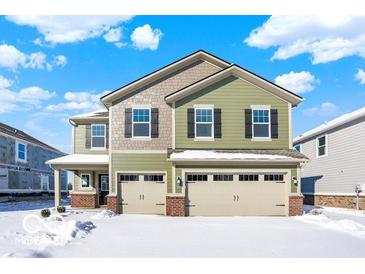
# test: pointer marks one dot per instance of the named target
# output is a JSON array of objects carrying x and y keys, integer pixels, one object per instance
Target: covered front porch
[{"x": 90, "y": 188}]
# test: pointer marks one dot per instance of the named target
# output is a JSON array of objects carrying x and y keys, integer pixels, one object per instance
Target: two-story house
[
  {"x": 199, "y": 136},
  {"x": 23, "y": 171},
  {"x": 337, "y": 158}
]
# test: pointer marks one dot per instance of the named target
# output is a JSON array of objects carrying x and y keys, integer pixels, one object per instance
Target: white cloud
[
  {"x": 113, "y": 35},
  {"x": 146, "y": 38},
  {"x": 360, "y": 75},
  {"x": 25, "y": 99},
  {"x": 12, "y": 58},
  {"x": 326, "y": 109},
  {"x": 326, "y": 38},
  {"x": 79, "y": 101},
  {"x": 68, "y": 29},
  {"x": 299, "y": 82},
  {"x": 4, "y": 82},
  {"x": 60, "y": 60}
]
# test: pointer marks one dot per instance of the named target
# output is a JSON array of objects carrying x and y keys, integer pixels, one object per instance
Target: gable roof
[
  {"x": 153, "y": 76},
  {"x": 339, "y": 121},
  {"x": 8, "y": 130},
  {"x": 97, "y": 115},
  {"x": 239, "y": 72}
]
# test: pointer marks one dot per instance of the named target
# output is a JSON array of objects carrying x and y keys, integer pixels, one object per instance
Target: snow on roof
[
  {"x": 343, "y": 119},
  {"x": 192, "y": 155},
  {"x": 94, "y": 114},
  {"x": 81, "y": 159}
]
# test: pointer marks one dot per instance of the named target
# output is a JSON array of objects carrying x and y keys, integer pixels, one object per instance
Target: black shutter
[
  {"x": 154, "y": 123},
  {"x": 248, "y": 123},
  {"x": 191, "y": 124},
  {"x": 128, "y": 123},
  {"x": 88, "y": 136},
  {"x": 107, "y": 135},
  {"x": 274, "y": 123},
  {"x": 217, "y": 123}
]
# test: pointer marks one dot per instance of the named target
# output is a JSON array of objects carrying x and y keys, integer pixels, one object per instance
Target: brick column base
[
  {"x": 175, "y": 206},
  {"x": 84, "y": 200},
  {"x": 112, "y": 203},
  {"x": 295, "y": 205}
]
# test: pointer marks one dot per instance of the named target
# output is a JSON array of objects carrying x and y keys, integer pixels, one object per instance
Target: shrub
[
  {"x": 45, "y": 213},
  {"x": 61, "y": 209}
]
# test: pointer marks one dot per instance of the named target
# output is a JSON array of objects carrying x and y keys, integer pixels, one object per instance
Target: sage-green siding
[
  {"x": 232, "y": 95},
  {"x": 141, "y": 162},
  {"x": 79, "y": 142}
]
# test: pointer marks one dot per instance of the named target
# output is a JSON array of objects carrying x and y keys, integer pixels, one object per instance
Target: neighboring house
[
  {"x": 200, "y": 136},
  {"x": 337, "y": 161},
  {"x": 23, "y": 171}
]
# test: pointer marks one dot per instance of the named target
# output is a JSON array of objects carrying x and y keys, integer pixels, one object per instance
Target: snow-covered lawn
[{"x": 324, "y": 232}]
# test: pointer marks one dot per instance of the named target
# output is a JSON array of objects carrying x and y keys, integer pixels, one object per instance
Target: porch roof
[{"x": 80, "y": 159}]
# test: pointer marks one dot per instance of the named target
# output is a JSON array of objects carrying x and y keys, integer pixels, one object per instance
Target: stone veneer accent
[
  {"x": 175, "y": 206},
  {"x": 153, "y": 95},
  {"x": 112, "y": 203},
  {"x": 84, "y": 200},
  {"x": 295, "y": 205},
  {"x": 334, "y": 201}
]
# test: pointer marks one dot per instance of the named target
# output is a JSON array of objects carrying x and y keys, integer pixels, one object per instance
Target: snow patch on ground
[
  {"x": 105, "y": 214},
  {"x": 27, "y": 253},
  {"x": 329, "y": 218}
]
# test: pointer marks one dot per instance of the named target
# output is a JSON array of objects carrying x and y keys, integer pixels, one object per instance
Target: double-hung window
[
  {"x": 98, "y": 136},
  {"x": 261, "y": 123},
  {"x": 204, "y": 123},
  {"x": 141, "y": 123},
  {"x": 21, "y": 152},
  {"x": 322, "y": 146},
  {"x": 85, "y": 180}
]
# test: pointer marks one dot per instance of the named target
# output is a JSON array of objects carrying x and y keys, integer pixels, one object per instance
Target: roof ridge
[{"x": 14, "y": 132}]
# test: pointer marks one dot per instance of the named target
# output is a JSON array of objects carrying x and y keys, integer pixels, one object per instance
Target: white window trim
[
  {"x": 98, "y": 148},
  {"x": 202, "y": 138},
  {"x": 101, "y": 185},
  {"x": 17, "y": 159},
  {"x": 269, "y": 123},
  {"x": 300, "y": 147},
  {"x": 90, "y": 180},
  {"x": 149, "y": 123},
  {"x": 326, "y": 146}
]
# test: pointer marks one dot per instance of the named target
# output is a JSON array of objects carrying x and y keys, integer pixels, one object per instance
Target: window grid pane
[
  {"x": 274, "y": 177},
  {"x": 141, "y": 115},
  {"x": 98, "y": 130},
  {"x": 197, "y": 177},
  {"x": 260, "y": 116},
  {"x": 223, "y": 177},
  {"x": 248, "y": 177},
  {"x": 153, "y": 178},
  {"x": 129, "y": 177}
]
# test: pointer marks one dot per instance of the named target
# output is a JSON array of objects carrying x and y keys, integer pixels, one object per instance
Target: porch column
[{"x": 57, "y": 187}]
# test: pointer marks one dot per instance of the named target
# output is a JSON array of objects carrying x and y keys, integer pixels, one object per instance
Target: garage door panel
[
  {"x": 237, "y": 198},
  {"x": 143, "y": 197}
]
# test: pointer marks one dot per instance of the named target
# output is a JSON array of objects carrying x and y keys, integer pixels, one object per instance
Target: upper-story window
[
  {"x": 98, "y": 136},
  {"x": 322, "y": 146},
  {"x": 261, "y": 123},
  {"x": 204, "y": 123},
  {"x": 141, "y": 122},
  {"x": 21, "y": 152},
  {"x": 298, "y": 147}
]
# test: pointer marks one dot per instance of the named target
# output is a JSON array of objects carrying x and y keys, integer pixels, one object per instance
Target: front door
[{"x": 103, "y": 188}]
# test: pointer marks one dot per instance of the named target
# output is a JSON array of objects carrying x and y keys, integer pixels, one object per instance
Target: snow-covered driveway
[{"x": 333, "y": 233}]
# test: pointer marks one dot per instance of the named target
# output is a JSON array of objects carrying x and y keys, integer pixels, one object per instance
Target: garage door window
[
  {"x": 274, "y": 177},
  {"x": 197, "y": 177},
  {"x": 223, "y": 177},
  {"x": 248, "y": 177},
  {"x": 128, "y": 178},
  {"x": 153, "y": 178}
]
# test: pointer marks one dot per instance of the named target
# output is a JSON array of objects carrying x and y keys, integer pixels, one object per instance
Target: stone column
[{"x": 57, "y": 187}]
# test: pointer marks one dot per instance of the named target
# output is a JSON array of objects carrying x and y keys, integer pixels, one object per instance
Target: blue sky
[{"x": 55, "y": 67}]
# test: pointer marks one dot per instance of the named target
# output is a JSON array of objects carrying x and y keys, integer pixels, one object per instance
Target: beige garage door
[
  {"x": 236, "y": 194},
  {"x": 142, "y": 193}
]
